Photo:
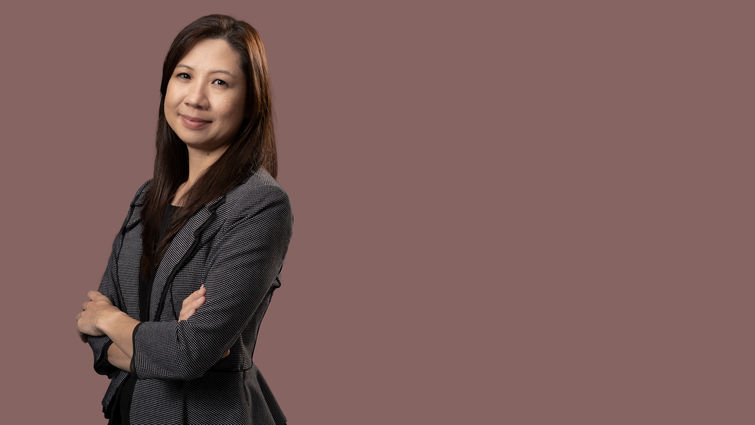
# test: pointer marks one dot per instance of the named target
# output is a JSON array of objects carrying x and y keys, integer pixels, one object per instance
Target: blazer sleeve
[
  {"x": 100, "y": 344},
  {"x": 249, "y": 256}
]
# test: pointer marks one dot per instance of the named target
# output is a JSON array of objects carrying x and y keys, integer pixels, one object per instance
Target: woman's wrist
[
  {"x": 119, "y": 359},
  {"x": 108, "y": 319},
  {"x": 119, "y": 326}
]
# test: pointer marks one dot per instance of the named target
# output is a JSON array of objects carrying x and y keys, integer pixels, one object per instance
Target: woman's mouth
[{"x": 194, "y": 122}]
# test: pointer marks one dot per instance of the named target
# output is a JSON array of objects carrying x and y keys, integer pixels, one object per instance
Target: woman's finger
[
  {"x": 185, "y": 314},
  {"x": 191, "y": 298},
  {"x": 93, "y": 295},
  {"x": 188, "y": 310},
  {"x": 97, "y": 297},
  {"x": 192, "y": 303},
  {"x": 194, "y": 295}
]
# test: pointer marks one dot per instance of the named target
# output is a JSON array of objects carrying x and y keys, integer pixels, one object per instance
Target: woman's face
[{"x": 204, "y": 101}]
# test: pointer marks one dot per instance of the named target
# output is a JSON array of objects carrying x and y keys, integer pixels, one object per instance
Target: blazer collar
[{"x": 134, "y": 216}]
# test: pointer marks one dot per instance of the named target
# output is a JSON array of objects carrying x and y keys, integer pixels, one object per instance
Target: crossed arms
[{"x": 250, "y": 254}]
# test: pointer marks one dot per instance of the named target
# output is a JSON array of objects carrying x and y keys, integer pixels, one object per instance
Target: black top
[{"x": 122, "y": 398}]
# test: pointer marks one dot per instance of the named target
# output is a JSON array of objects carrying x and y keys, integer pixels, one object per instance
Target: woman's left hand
[{"x": 92, "y": 312}]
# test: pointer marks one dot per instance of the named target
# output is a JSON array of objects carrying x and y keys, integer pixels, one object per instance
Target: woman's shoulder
[
  {"x": 141, "y": 193},
  {"x": 259, "y": 191}
]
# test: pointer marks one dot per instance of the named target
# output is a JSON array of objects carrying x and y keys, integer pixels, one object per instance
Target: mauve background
[{"x": 522, "y": 213}]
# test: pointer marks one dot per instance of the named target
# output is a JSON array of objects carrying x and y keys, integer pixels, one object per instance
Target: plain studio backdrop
[{"x": 531, "y": 212}]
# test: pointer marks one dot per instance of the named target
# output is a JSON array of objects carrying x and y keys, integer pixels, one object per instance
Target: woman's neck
[{"x": 199, "y": 162}]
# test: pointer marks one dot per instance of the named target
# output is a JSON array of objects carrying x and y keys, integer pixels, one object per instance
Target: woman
[{"x": 193, "y": 268}]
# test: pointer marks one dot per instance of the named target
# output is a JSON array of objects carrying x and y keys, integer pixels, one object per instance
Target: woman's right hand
[{"x": 191, "y": 304}]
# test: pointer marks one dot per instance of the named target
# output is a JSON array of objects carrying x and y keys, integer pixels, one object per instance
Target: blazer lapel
[
  {"x": 127, "y": 260},
  {"x": 134, "y": 215},
  {"x": 179, "y": 252}
]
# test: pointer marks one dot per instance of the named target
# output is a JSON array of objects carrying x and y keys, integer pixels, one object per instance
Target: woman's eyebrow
[{"x": 222, "y": 71}]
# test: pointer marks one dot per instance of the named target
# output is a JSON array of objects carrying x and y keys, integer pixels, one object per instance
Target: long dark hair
[{"x": 253, "y": 146}]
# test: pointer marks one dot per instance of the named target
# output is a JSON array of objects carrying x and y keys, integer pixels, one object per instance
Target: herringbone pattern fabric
[{"x": 235, "y": 245}]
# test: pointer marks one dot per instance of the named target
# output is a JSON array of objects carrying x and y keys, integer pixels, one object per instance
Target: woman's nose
[{"x": 196, "y": 97}]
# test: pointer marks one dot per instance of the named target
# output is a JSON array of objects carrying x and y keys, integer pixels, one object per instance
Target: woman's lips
[{"x": 193, "y": 122}]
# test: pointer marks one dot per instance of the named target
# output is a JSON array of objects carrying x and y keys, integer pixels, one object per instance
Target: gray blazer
[{"x": 235, "y": 245}]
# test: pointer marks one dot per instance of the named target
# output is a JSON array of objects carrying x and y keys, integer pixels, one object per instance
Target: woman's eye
[
  {"x": 220, "y": 82},
  {"x": 182, "y": 75}
]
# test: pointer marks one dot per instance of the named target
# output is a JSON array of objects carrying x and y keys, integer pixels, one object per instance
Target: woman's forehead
[{"x": 212, "y": 55}]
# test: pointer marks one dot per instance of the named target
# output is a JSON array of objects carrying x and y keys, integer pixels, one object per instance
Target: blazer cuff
[
  {"x": 100, "y": 345},
  {"x": 132, "y": 366}
]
